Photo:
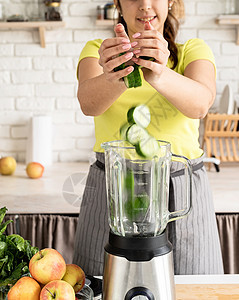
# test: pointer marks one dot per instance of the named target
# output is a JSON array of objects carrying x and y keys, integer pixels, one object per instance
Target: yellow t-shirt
[{"x": 167, "y": 122}]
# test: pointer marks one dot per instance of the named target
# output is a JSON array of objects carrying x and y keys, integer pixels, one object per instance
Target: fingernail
[
  {"x": 134, "y": 44},
  {"x": 129, "y": 69},
  {"x": 125, "y": 41},
  {"x": 136, "y": 35},
  {"x": 136, "y": 51},
  {"x": 134, "y": 59},
  {"x": 128, "y": 55},
  {"x": 125, "y": 47}
]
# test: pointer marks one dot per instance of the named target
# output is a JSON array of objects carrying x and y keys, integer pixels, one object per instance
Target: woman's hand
[
  {"x": 110, "y": 57},
  {"x": 151, "y": 43}
]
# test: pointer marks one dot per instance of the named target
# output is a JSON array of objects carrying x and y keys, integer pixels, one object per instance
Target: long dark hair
[{"x": 171, "y": 26}]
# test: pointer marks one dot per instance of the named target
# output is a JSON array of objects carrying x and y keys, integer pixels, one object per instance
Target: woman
[{"x": 179, "y": 88}]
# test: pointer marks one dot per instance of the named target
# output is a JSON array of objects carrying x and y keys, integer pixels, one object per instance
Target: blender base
[{"x": 125, "y": 280}]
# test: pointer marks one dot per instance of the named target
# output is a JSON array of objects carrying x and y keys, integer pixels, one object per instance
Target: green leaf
[
  {"x": 17, "y": 240},
  {"x": 3, "y": 262},
  {"x": 4, "y": 226},
  {"x": 3, "y": 248},
  {"x": 20, "y": 270},
  {"x": 3, "y": 211},
  {"x": 29, "y": 250},
  {"x": 15, "y": 254}
]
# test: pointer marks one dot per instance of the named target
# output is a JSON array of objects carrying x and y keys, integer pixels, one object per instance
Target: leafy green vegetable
[
  {"x": 137, "y": 207},
  {"x": 15, "y": 254}
]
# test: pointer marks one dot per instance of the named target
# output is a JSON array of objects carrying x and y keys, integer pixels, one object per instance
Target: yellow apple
[
  {"x": 26, "y": 288},
  {"x": 75, "y": 276},
  {"x": 58, "y": 290},
  {"x": 47, "y": 265},
  {"x": 7, "y": 165},
  {"x": 34, "y": 170}
]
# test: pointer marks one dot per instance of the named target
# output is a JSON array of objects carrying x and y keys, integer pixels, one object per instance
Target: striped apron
[{"x": 195, "y": 239}]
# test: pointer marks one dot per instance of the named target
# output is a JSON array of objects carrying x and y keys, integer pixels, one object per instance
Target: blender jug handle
[{"x": 188, "y": 191}]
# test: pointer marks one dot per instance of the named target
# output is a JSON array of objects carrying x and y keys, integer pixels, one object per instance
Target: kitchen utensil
[
  {"x": 138, "y": 257},
  {"x": 138, "y": 188}
]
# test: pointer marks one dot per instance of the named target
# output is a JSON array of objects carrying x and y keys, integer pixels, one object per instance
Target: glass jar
[
  {"x": 100, "y": 12},
  {"x": 85, "y": 294},
  {"x": 53, "y": 11},
  {"x": 34, "y": 11},
  {"x": 230, "y": 7},
  {"x": 111, "y": 12},
  {"x": 1, "y": 13}
]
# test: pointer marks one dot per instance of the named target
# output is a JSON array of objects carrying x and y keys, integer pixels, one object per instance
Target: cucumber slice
[
  {"x": 137, "y": 208},
  {"x": 133, "y": 79},
  {"x": 147, "y": 148},
  {"x": 129, "y": 183},
  {"x": 135, "y": 134},
  {"x": 123, "y": 130},
  {"x": 139, "y": 115}
]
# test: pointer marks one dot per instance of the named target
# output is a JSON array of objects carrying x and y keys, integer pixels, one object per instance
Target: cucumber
[
  {"x": 123, "y": 130},
  {"x": 139, "y": 115},
  {"x": 146, "y": 58},
  {"x": 136, "y": 208},
  {"x": 122, "y": 66},
  {"x": 147, "y": 148},
  {"x": 133, "y": 80},
  {"x": 135, "y": 134},
  {"x": 129, "y": 184}
]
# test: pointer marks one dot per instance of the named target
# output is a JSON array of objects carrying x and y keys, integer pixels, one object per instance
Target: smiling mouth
[{"x": 144, "y": 20}]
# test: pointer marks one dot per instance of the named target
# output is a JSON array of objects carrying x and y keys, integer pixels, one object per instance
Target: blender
[{"x": 138, "y": 262}]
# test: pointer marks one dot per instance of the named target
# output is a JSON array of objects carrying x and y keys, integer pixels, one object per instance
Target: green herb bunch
[{"x": 15, "y": 254}]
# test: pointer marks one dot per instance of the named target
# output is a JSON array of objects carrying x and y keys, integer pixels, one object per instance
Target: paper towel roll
[{"x": 39, "y": 144}]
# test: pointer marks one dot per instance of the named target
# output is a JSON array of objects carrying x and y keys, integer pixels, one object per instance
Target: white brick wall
[{"x": 35, "y": 80}]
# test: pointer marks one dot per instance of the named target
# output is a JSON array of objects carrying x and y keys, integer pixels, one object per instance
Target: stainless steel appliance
[{"x": 138, "y": 257}]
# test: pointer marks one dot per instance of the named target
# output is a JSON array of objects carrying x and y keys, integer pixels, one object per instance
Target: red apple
[
  {"x": 7, "y": 165},
  {"x": 58, "y": 290},
  {"x": 34, "y": 170},
  {"x": 47, "y": 265},
  {"x": 26, "y": 288},
  {"x": 75, "y": 276}
]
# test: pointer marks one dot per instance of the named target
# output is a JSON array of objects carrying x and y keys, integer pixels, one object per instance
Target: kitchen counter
[
  {"x": 60, "y": 189},
  {"x": 195, "y": 287},
  {"x": 201, "y": 287},
  {"x": 47, "y": 208}
]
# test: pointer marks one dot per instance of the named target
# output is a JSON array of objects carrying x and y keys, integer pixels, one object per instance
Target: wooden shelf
[
  {"x": 40, "y": 25},
  {"x": 230, "y": 20},
  {"x": 106, "y": 23}
]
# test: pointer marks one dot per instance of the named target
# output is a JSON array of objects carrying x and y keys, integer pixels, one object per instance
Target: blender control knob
[{"x": 139, "y": 291}]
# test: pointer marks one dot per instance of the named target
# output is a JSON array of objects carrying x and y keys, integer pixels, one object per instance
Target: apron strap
[{"x": 196, "y": 167}]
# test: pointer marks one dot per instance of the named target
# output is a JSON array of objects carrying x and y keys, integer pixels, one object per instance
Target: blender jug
[{"x": 138, "y": 189}]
